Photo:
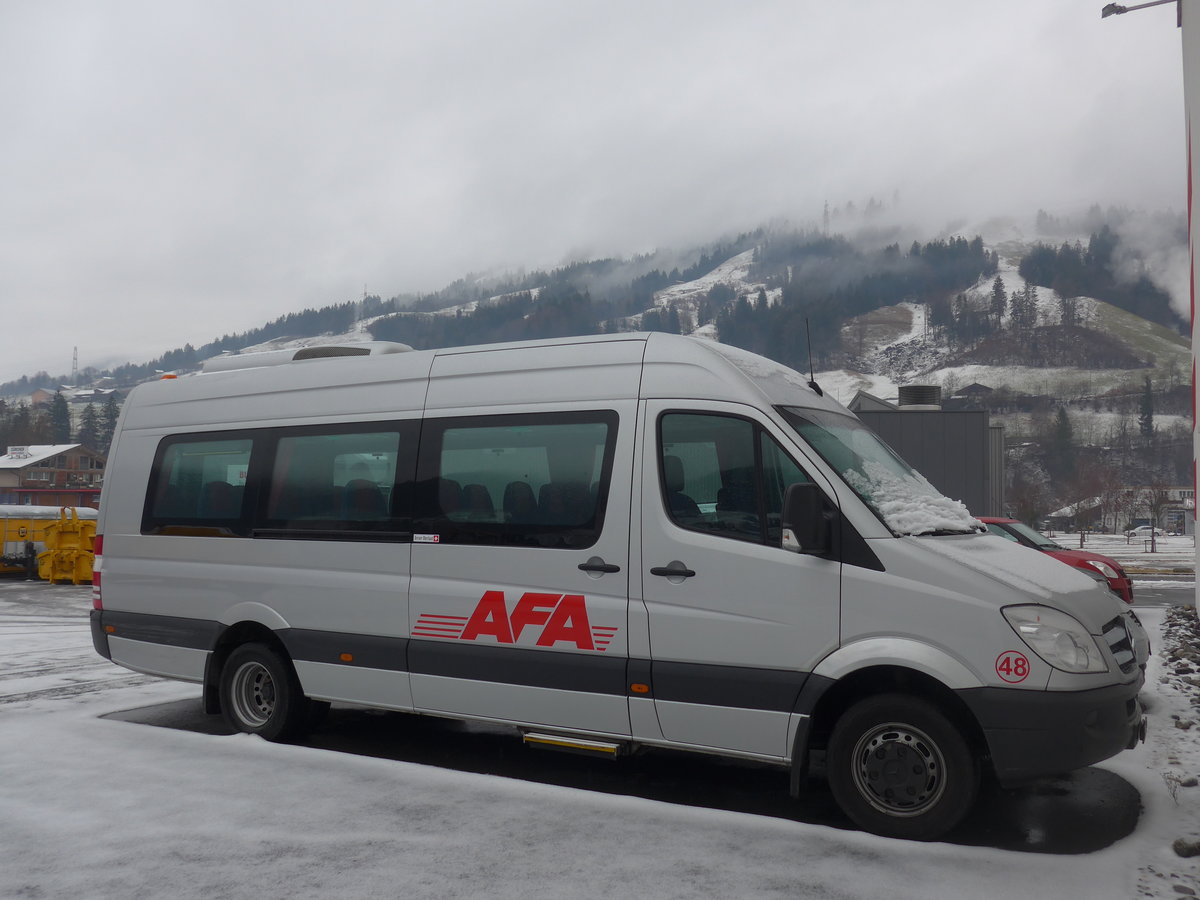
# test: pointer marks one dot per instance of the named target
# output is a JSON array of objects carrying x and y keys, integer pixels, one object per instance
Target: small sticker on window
[{"x": 427, "y": 538}]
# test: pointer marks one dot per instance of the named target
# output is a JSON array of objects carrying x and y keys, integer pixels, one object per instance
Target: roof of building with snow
[{"x": 32, "y": 455}]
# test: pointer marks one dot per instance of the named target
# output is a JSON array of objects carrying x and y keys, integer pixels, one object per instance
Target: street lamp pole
[{"x": 1116, "y": 9}]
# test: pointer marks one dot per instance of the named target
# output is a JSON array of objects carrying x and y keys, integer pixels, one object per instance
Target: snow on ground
[
  {"x": 1172, "y": 553},
  {"x": 103, "y": 808}
]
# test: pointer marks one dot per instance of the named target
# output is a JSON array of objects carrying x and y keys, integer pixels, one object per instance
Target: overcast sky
[{"x": 174, "y": 171}]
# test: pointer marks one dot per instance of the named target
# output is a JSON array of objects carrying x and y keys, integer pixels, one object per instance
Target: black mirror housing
[{"x": 808, "y": 520}]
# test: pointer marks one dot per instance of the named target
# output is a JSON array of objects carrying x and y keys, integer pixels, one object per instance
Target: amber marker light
[
  {"x": 110, "y": 629},
  {"x": 638, "y": 688},
  {"x": 347, "y": 657}
]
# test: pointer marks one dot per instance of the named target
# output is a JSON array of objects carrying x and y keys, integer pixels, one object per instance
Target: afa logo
[{"x": 556, "y": 618}]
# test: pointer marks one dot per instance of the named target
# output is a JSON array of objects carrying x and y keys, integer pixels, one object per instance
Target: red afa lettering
[{"x": 555, "y": 618}]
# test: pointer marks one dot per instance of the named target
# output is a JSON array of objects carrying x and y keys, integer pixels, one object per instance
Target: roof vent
[
  {"x": 279, "y": 357},
  {"x": 367, "y": 348},
  {"x": 921, "y": 397}
]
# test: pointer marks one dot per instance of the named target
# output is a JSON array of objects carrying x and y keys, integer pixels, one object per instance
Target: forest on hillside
[{"x": 817, "y": 282}]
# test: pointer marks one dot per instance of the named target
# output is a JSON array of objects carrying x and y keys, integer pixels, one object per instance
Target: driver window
[{"x": 723, "y": 475}]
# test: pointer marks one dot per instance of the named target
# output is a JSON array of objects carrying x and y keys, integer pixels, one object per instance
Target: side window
[
  {"x": 708, "y": 474},
  {"x": 1000, "y": 532},
  {"x": 534, "y": 480},
  {"x": 779, "y": 470},
  {"x": 723, "y": 475},
  {"x": 337, "y": 480},
  {"x": 201, "y": 483}
]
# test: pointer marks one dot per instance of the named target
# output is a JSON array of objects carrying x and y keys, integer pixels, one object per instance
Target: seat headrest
[{"x": 673, "y": 474}]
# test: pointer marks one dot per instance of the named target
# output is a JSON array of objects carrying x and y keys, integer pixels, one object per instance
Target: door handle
[
  {"x": 673, "y": 569},
  {"x": 599, "y": 566}
]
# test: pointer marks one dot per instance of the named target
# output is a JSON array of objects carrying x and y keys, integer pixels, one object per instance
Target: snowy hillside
[{"x": 900, "y": 348}]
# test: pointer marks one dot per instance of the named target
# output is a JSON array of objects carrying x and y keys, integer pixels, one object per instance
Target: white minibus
[{"x": 611, "y": 544}]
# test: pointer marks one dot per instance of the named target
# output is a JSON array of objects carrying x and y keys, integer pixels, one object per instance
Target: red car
[{"x": 1092, "y": 563}]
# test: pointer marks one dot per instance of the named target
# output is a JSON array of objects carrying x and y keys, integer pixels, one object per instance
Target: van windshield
[{"x": 898, "y": 493}]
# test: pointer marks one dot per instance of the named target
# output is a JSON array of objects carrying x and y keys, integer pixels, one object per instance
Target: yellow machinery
[{"x": 58, "y": 538}]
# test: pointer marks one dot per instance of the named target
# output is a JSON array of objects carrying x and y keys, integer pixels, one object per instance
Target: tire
[
  {"x": 260, "y": 694},
  {"x": 898, "y": 767}
]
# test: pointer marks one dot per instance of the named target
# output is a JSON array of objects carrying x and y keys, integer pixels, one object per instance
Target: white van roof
[{"x": 593, "y": 367}]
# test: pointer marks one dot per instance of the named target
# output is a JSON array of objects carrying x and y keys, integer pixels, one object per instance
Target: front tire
[
  {"x": 260, "y": 694},
  {"x": 900, "y": 768}
]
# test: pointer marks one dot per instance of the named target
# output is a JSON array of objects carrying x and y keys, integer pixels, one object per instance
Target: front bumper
[{"x": 1033, "y": 734}]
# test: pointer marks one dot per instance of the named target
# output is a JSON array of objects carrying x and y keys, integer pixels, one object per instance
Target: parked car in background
[
  {"x": 1144, "y": 531},
  {"x": 1092, "y": 563}
]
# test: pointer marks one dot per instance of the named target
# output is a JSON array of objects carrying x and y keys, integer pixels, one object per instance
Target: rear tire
[
  {"x": 260, "y": 694},
  {"x": 900, "y": 768}
]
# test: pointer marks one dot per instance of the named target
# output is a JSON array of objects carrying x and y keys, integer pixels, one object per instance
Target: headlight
[
  {"x": 1057, "y": 638},
  {"x": 1103, "y": 568}
]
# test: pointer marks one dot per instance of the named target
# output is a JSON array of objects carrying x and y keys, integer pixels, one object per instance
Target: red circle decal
[{"x": 1012, "y": 666}]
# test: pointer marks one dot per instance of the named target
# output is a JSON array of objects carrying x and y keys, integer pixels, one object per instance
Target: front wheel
[
  {"x": 899, "y": 767},
  {"x": 260, "y": 694}
]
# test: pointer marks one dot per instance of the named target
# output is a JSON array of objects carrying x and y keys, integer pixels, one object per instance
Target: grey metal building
[{"x": 960, "y": 451}]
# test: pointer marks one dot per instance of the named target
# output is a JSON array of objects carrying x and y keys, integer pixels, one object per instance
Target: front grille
[{"x": 1116, "y": 635}]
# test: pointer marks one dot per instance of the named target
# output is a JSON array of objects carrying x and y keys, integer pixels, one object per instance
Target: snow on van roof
[{"x": 759, "y": 367}]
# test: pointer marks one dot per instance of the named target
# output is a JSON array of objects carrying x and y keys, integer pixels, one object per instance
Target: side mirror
[{"x": 807, "y": 520}]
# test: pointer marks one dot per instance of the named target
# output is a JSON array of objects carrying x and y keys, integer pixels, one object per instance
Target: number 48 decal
[{"x": 1012, "y": 666}]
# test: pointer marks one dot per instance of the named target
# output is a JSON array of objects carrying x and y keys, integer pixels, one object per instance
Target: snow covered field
[
  {"x": 96, "y": 805},
  {"x": 1172, "y": 553}
]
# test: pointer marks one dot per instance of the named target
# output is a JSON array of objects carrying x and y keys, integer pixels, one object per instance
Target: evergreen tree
[
  {"x": 60, "y": 419},
  {"x": 20, "y": 426},
  {"x": 1146, "y": 415},
  {"x": 89, "y": 428},
  {"x": 1060, "y": 460},
  {"x": 1068, "y": 308},
  {"x": 672, "y": 324},
  {"x": 999, "y": 300},
  {"x": 108, "y": 421}
]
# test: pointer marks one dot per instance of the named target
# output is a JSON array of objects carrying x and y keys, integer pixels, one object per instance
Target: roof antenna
[{"x": 812, "y": 379}]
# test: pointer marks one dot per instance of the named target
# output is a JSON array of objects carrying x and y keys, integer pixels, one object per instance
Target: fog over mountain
[{"x": 171, "y": 171}]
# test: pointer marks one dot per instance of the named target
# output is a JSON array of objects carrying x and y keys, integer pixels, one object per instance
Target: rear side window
[
  {"x": 334, "y": 482},
  {"x": 532, "y": 480},
  {"x": 320, "y": 481},
  {"x": 201, "y": 483}
]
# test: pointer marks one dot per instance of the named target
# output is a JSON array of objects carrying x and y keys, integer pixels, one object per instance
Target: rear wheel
[
  {"x": 899, "y": 767},
  {"x": 260, "y": 694}
]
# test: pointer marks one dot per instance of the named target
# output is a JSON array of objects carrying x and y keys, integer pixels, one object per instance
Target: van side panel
[
  {"x": 510, "y": 623},
  {"x": 331, "y": 588}
]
